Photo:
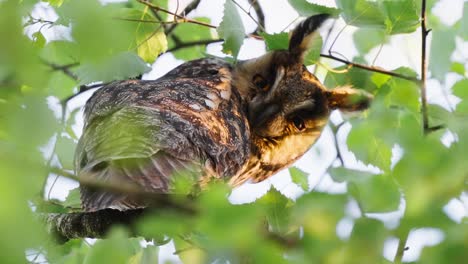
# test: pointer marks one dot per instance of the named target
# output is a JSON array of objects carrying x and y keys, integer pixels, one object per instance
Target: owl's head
[{"x": 284, "y": 97}]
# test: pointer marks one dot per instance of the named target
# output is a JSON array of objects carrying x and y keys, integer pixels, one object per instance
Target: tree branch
[
  {"x": 424, "y": 33},
  {"x": 371, "y": 68},
  {"x": 92, "y": 225},
  {"x": 152, "y": 199},
  {"x": 96, "y": 224}
]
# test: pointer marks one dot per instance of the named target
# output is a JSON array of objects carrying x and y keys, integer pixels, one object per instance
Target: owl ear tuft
[
  {"x": 304, "y": 35},
  {"x": 348, "y": 99}
]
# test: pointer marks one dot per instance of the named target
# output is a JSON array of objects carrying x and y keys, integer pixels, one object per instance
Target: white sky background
[{"x": 403, "y": 50}]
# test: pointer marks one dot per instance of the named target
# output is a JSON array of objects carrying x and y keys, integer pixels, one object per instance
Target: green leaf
[
  {"x": 277, "y": 212},
  {"x": 151, "y": 46},
  {"x": 56, "y": 3},
  {"x": 279, "y": 41},
  {"x": 150, "y": 40},
  {"x": 361, "y": 13},
  {"x": 121, "y": 66},
  {"x": 61, "y": 85},
  {"x": 403, "y": 93},
  {"x": 460, "y": 89},
  {"x": 400, "y": 16},
  {"x": 366, "y": 243},
  {"x": 375, "y": 193},
  {"x": 369, "y": 148},
  {"x": 231, "y": 29},
  {"x": 300, "y": 178},
  {"x": 438, "y": 115},
  {"x": 451, "y": 250},
  {"x": 65, "y": 150},
  {"x": 70, "y": 122},
  {"x": 188, "y": 32},
  {"x": 73, "y": 200},
  {"x": 150, "y": 255},
  {"x": 463, "y": 30},
  {"x": 392, "y": 16},
  {"x": 442, "y": 47},
  {"x": 319, "y": 213},
  {"x": 60, "y": 52},
  {"x": 307, "y": 9},
  {"x": 96, "y": 31},
  {"x": 117, "y": 248},
  {"x": 35, "y": 115},
  {"x": 342, "y": 174},
  {"x": 355, "y": 77},
  {"x": 39, "y": 39},
  {"x": 459, "y": 68},
  {"x": 367, "y": 38}
]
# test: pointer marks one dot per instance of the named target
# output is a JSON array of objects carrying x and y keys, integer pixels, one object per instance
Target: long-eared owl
[{"x": 232, "y": 122}]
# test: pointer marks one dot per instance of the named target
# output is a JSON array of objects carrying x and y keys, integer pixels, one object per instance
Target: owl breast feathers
[{"x": 207, "y": 119}]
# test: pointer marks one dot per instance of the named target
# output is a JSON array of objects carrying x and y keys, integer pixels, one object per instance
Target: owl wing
[{"x": 146, "y": 132}]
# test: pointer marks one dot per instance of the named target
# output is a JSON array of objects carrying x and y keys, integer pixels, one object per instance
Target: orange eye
[{"x": 261, "y": 82}]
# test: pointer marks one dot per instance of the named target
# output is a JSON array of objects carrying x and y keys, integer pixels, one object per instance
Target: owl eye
[
  {"x": 299, "y": 123},
  {"x": 261, "y": 82}
]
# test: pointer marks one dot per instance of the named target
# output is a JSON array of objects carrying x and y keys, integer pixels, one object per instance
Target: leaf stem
[{"x": 182, "y": 45}]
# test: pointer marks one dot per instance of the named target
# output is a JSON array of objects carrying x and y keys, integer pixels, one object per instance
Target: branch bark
[
  {"x": 96, "y": 224},
  {"x": 424, "y": 33},
  {"x": 93, "y": 225}
]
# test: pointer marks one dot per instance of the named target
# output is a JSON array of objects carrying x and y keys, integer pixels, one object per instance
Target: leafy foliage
[
  {"x": 115, "y": 41},
  {"x": 231, "y": 29}
]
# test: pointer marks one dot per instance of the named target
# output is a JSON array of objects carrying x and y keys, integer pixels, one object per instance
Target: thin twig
[
  {"x": 184, "y": 19},
  {"x": 401, "y": 248},
  {"x": 371, "y": 68},
  {"x": 424, "y": 33},
  {"x": 63, "y": 68},
  {"x": 324, "y": 43},
  {"x": 378, "y": 53},
  {"x": 189, "y": 8},
  {"x": 260, "y": 16},
  {"x": 149, "y": 21},
  {"x": 83, "y": 88},
  {"x": 182, "y": 45},
  {"x": 335, "y": 129},
  {"x": 251, "y": 17}
]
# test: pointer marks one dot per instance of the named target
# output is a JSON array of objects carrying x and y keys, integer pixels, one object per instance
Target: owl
[{"x": 208, "y": 119}]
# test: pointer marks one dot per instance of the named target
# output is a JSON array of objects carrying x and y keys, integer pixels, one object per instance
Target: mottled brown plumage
[{"x": 207, "y": 119}]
